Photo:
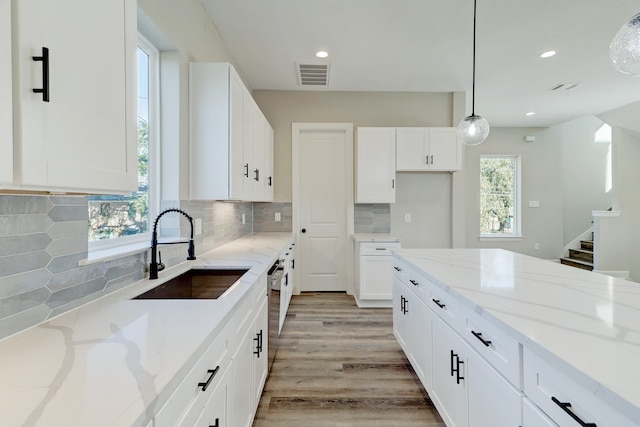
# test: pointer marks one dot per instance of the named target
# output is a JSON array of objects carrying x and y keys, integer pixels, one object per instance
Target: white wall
[
  {"x": 541, "y": 181},
  {"x": 584, "y": 167},
  {"x": 623, "y": 233}
]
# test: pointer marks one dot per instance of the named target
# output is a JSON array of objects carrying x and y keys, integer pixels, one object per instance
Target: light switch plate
[
  {"x": 534, "y": 204},
  {"x": 278, "y": 217},
  {"x": 407, "y": 218}
]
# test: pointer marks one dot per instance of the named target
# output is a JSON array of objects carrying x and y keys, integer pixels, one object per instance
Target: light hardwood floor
[{"x": 340, "y": 366}]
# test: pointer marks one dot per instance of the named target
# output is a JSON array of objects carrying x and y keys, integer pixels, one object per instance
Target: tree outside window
[{"x": 498, "y": 195}]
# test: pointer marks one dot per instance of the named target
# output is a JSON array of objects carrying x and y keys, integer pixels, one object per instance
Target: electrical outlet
[
  {"x": 536, "y": 246},
  {"x": 198, "y": 226},
  {"x": 407, "y": 218},
  {"x": 278, "y": 217}
]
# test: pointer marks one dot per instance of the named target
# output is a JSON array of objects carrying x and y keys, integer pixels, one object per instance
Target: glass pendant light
[
  {"x": 473, "y": 129},
  {"x": 624, "y": 50}
]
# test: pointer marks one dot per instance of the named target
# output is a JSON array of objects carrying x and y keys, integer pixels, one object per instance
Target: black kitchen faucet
[{"x": 156, "y": 266}]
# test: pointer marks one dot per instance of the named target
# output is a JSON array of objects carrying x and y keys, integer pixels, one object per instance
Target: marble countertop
[
  {"x": 375, "y": 237},
  {"x": 115, "y": 361},
  {"x": 587, "y": 323}
]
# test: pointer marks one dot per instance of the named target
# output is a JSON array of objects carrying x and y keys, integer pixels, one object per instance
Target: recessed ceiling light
[
  {"x": 547, "y": 54},
  {"x": 322, "y": 54},
  {"x": 530, "y": 113}
]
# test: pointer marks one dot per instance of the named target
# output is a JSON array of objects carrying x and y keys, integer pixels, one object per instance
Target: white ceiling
[{"x": 426, "y": 46}]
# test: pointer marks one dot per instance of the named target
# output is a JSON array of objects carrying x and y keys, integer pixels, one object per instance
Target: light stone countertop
[
  {"x": 375, "y": 237},
  {"x": 586, "y": 323},
  {"x": 116, "y": 361}
]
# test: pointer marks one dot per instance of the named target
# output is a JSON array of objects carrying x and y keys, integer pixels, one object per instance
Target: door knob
[{"x": 304, "y": 230}]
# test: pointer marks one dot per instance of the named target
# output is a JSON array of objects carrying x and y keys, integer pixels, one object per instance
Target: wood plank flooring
[{"x": 340, "y": 366}]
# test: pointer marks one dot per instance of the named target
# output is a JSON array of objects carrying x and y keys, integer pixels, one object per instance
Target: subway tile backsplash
[
  {"x": 43, "y": 239},
  {"x": 372, "y": 218}
]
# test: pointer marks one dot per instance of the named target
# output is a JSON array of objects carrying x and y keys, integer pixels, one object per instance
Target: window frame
[
  {"x": 517, "y": 204},
  {"x": 125, "y": 242}
]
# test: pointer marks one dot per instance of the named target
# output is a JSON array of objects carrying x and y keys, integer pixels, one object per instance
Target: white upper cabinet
[
  {"x": 6, "y": 114},
  {"x": 376, "y": 165},
  {"x": 74, "y": 107},
  {"x": 428, "y": 149},
  {"x": 229, "y": 137}
]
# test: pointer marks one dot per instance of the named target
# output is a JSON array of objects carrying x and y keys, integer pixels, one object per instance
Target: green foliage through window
[{"x": 497, "y": 195}]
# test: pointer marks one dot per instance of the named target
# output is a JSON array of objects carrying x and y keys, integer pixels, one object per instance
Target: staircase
[{"x": 582, "y": 257}]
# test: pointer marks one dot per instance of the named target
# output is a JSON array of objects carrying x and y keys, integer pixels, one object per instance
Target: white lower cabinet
[
  {"x": 250, "y": 360},
  {"x": 373, "y": 273},
  {"x": 534, "y": 417},
  {"x": 216, "y": 413},
  {"x": 449, "y": 390},
  {"x": 192, "y": 395},
  {"x": 565, "y": 400},
  {"x": 412, "y": 328},
  {"x": 466, "y": 389}
]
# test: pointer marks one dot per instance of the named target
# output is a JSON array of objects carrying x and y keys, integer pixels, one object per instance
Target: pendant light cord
[{"x": 473, "y": 88}]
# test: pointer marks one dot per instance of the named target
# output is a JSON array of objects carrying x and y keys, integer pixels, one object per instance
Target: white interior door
[{"x": 323, "y": 203}]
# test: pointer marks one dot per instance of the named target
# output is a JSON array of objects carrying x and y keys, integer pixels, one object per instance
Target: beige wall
[{"x": 541, "y": 178}]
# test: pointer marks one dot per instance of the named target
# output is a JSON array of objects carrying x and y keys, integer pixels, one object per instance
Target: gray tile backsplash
[
  {"x": 43, "y": 239},
  {"x": 264, "y": 215},
  {"x": 372, "y": 218}
]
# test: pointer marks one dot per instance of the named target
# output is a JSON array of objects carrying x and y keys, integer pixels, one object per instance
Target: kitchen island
[
  {"x": 554, "y": 344},
  {"x": 117, "y": 361}
]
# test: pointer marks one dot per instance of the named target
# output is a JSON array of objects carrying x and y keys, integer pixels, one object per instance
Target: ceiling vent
[
  {"x": 564, "y": 86},
  {"x": 313, "y": 74}
]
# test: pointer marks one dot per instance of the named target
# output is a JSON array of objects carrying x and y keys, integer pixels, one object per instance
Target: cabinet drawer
[
  {"x": 195, "y": 389},
  {"x": 534, "y": 417},
  {"x": 444, "y": 305},
  {"x": 500, "y": 349},
  {"x": 381, "y": 249},
  {"x": 565, "y": 400},
  {"x": 416, "y": 282}
]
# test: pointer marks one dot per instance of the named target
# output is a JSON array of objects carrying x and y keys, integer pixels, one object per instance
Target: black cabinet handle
[
  {"x": 478, "y": 335},
  {"x": 393, "y": 183},
  {"x": 414, "y": 282},
  {"x": 456, "y": 370},
  {"x": 406, "y": 306},
  {"x": 270, "y": 181},
  {"x": 212, "y": 373},
  {"x": 402, "y": 304},
  {"x": 438, "y": 303},
  {"x": 293, "y": 264},
  {"x": 286, "y": 279},
  {"x": 246, "y": 170},
  {"x": 565, "y": 407},
  {"x": 397, "y": 268},
  {"x": 258, "y": 340},
  {"x": 45, "y": 74},
  {"x": 257, "y": 174},
  {"x": 217, "y": 424}
]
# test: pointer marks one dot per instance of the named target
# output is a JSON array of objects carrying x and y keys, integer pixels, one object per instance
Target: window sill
[
  {"x": 109, "y": 254},
  {"x": 502, "y": 237}
]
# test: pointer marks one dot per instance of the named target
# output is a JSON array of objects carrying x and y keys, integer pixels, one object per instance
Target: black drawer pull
[
  {"x": 565, "y": 407},
  {"x": 212, "y": 373},
  {"x": 246, "y": 170},
  {"x": 478, "y": 335},
  {"x": 397, "y": 268},
  {"x": 217, "y": 424},
  {"x": 414, "y": 282},
  {"x": 380, "y": 249},
  {"x": 438, "y": 303}
]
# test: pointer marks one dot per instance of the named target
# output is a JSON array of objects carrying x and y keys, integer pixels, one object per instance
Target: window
[
  {"x": 500, "y": 196},
  {"x": 117, "y": 220}
]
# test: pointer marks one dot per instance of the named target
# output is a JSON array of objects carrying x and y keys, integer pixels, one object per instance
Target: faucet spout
[{"x": 154, "y": 266}]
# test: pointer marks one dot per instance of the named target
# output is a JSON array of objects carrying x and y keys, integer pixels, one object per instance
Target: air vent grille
[
  {"x": 313, "y": 75},
  {"x": 564, "y": 86}
]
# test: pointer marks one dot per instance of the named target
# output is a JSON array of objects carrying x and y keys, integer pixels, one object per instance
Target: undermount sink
[{"x": 200, "y": 283}]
